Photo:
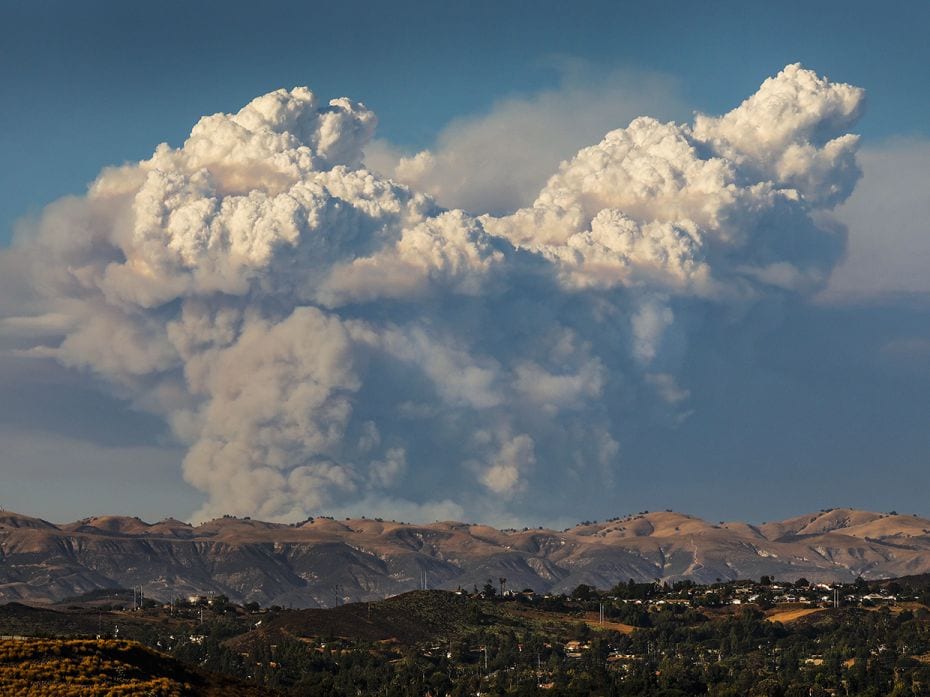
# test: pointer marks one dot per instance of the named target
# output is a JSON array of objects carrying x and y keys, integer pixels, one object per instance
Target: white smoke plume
[{"x": 320, "y": 337}]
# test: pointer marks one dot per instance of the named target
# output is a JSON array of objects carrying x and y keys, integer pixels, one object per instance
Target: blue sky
[{"x": 829, "y": 393}]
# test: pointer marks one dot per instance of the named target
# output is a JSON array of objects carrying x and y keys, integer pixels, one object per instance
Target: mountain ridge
[{"x": 322, "y": 562}]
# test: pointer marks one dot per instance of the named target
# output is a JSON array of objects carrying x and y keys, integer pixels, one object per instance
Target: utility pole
[{"x": 137, "y": 600}]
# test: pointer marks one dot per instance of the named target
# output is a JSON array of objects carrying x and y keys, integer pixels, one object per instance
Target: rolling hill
[{"x": 324, "y": 562}]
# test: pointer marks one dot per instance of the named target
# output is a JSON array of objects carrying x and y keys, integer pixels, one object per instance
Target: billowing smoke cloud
[{"x": 322, "y": 338}]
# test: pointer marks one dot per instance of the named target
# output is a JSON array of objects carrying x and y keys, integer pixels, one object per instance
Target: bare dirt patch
[
  {"x": 785, "y": 616},
  {"x": 589, "y": 618}
]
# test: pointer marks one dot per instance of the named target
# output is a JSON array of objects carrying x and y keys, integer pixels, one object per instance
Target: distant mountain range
[{"x": 324, "y": 562}]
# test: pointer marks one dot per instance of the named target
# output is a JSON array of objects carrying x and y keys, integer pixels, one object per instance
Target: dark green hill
[
  {"x": 26, "y": 620},
  {"x": 408, "y": 618}
]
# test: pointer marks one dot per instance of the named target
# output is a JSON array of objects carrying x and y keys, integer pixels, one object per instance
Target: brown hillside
[{"x": 325, "y": 563}]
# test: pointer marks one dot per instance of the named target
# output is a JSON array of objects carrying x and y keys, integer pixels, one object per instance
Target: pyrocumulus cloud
[{"x": 320, "y": 337}]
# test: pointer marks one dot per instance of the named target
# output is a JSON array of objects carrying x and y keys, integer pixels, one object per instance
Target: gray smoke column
[{"x": 322, "y": 338}]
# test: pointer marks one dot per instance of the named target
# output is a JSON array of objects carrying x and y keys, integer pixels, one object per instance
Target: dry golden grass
[
  {"x": 785, "y": 616},
  {"x": 82, "y": 667},
  {"x": 590, "y": 619}
]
